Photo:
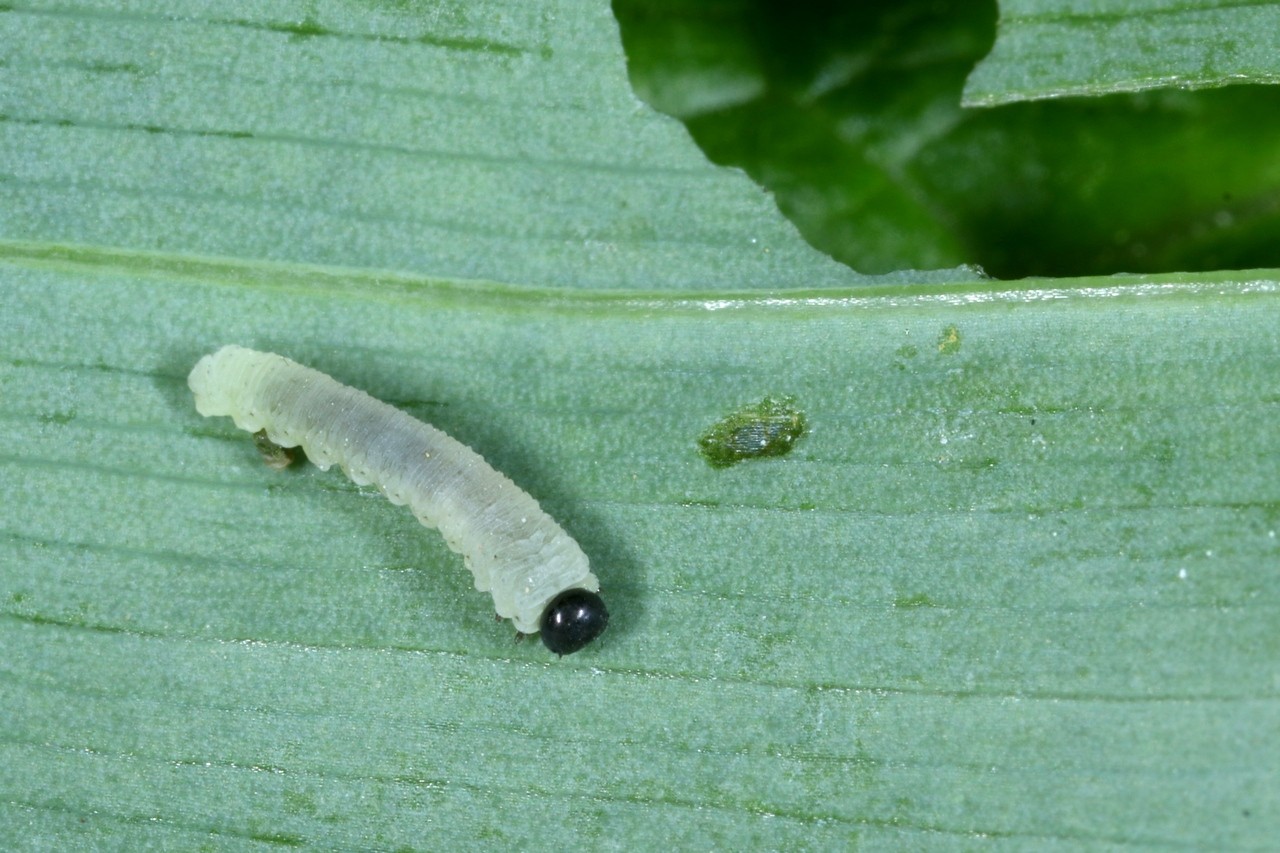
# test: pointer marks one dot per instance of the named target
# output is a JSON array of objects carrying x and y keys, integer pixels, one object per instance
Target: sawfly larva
[{"x": 537, "y": 574}]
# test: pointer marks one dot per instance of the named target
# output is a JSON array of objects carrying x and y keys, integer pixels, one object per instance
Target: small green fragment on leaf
[
  {"x": 949, "y": 341},
  {"x": 767, "y": 428},
  {"x": 917, "y": 600}
]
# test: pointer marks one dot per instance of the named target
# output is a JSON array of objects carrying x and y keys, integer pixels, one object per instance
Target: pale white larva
[{"x": 538, "y": 575}]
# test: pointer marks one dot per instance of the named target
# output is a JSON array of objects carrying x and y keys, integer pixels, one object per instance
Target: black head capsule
[{"x": 574, "y": 618}]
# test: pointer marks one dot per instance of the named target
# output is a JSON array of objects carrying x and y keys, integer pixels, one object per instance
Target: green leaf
[
  {"x": 482, "y": 140},
  {"x": 1051, "y": 48},
  {"x": 1017, "y": 580},
  {"x": 1015, "y": 584}
]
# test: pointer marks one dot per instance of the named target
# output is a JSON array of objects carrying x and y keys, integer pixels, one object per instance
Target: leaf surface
[{"x": 1051, "y": 48}]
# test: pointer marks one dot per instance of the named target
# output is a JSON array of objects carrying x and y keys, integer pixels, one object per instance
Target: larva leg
[{"x": 276, "y": 457}]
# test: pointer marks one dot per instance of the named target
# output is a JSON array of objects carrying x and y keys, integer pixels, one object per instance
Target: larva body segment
[{"x": 515, "y": 550}]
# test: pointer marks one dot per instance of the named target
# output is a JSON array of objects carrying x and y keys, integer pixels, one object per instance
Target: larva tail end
[{"x": 574, "y": 618}]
